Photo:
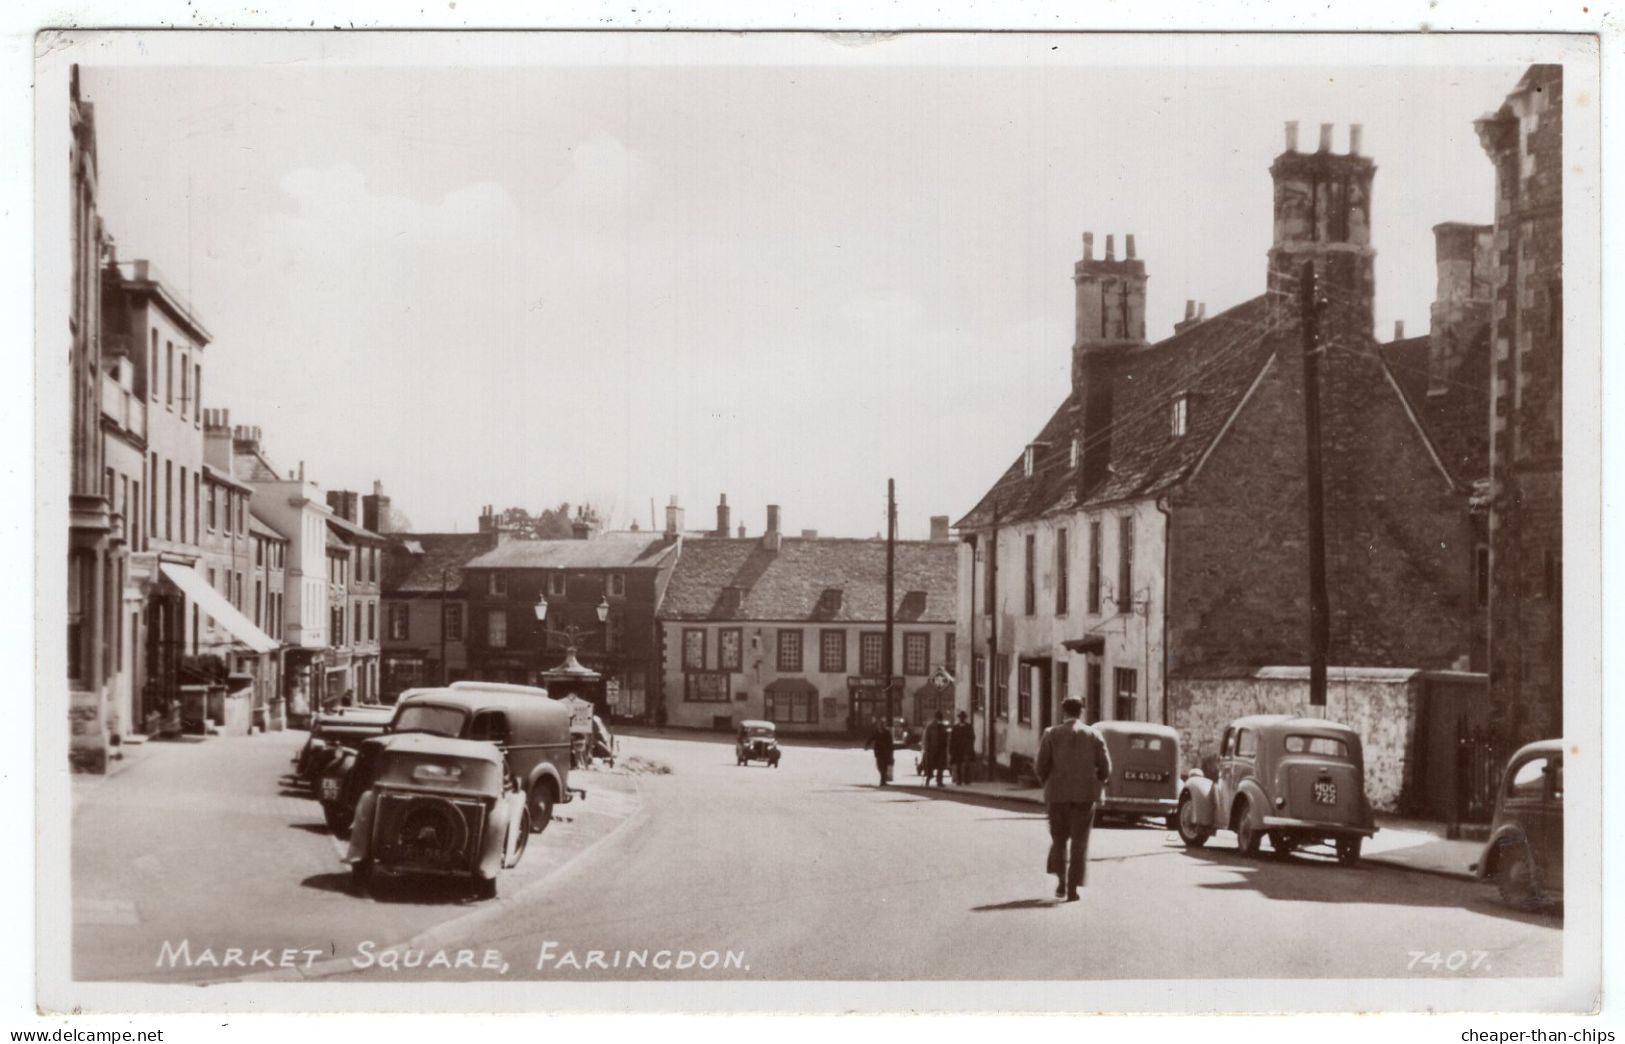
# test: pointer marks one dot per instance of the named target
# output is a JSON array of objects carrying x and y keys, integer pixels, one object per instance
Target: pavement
[{"x": 1404, "y": 844}]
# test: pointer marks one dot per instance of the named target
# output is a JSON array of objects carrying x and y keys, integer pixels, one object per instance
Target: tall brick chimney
[
  {"x": 345, "y": 504},
  {"x": 674, "y": 518},
  {"x": 375, "y": 509},
  {"x": 1465, "y": 255},
  {"x": 1323, "y": 214},
  {"x": 771, "y": 539},
  {"x": 1110, "y": 320},
  {"x": 722, "y": 515}
]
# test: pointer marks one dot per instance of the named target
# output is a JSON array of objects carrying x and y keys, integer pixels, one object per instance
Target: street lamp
[{"x": 541, "y": 609}]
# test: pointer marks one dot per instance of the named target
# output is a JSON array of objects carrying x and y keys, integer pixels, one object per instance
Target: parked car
[
  {"x": 1145, "y": 771},
  {"x": 1299, "y": 780},
  {"x": 1524, "y": 853},
  {"x": 531, "y": 729},
  {"x": 440, "y": 806},
  {"x": 333, "y": 734},
  {"x": 757, "y": 741}
]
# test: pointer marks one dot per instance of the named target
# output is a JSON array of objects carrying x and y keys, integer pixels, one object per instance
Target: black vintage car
[
  {"x": 757, "y": 741},
  {"x": 334, "y": 734}
]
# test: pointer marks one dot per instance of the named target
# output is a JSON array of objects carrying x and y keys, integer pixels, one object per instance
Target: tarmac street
[{"x": 809, "y": 872}]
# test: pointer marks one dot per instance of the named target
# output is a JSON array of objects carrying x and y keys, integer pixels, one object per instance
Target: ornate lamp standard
[{"x": 572, "y": 636}]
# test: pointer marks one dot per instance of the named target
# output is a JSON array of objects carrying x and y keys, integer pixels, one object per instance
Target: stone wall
[{"x": 1381, "y": 705}]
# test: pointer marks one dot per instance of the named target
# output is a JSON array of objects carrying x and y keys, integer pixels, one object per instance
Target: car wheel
[
  {"x": 1248, "y": 839},
  {"x": 1515, "y": 875},
  {"x": 1190, "y": 831},
  {"x": 542, "y": 799},
  {"x": 337, "y": 821},
  {"x": 485, "y": 888},
  {"x": 360, "y": 876},
  {"x": 525, "y": 829},
  {"x": 1281, "y": 845},
  {"x": 1348, "y": 850}
]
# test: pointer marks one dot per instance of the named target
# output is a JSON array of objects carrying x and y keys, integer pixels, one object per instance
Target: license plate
[
  {"x": 330, "y": 790},
  {"x": 1138, "y": 776},
  {"x": 1325, "y": 792}
]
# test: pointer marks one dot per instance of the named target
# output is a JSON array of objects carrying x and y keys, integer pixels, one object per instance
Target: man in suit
[{"x": 1072, "y": 765}]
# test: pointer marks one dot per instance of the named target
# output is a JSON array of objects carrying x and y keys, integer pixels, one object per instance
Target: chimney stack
[
  {"x": 1465, "y": 258},
  {"x": 375, "y": 509},
  {"x": 771, "y": 538},
  {"x": 1291, "y": 135},
  {"x": 1322, "y": 211},
  {"x": 722, "y": 515},
  {"x": 1110, "y": 320},
  {"x": 741, "y": 530},
  {"x": 674, "y": 518},
  {"x": 939, "y": 528},
  {"x": 344, "y": 504},
  {"x": 1195, "y": 312}
]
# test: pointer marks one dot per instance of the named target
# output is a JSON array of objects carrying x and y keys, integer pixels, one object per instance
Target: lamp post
[{"x": 571, "y": 634}]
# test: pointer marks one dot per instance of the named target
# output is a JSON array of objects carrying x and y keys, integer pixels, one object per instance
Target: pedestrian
[
  {"x": 961, "y": 748},
  {"x": 1072, "y": 764},
  {"x": 935, "y": 750},
  {"x": 881, "y": 742}
]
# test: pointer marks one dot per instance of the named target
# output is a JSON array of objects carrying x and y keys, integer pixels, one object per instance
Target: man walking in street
[
  {"x": 881, "y": 742},
  {"x": 934, "y": 749},
  {"x": 1072, "y": 764},
  {"x": 961, "y": 749}
]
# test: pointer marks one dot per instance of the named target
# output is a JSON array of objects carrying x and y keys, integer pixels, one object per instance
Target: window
[
  {"x": 1179, "y": 416},
  {"x": 197, "y": 503},
  {"x": 832, "y": 652},
  {"x": 169, "y": 374},
  {"x": 1063, "y": 571},
  {"x": 617, "y": 585},
  {"x": 1323, "y": 745},
  {"x": 242, "y": 517},
  {"x": 497, "y": 584},
  {"x": 398, "y": 616},
  {"x": 259, "y": 603},
  {"x": 693, "y": 649},
  {"x": 153, "y": 382},
  {"x": 730, "y": 649},
  {"x": 1063, "y": 681},
  {"x": 197, "y": 392},
  {"x": 496, "y": 628},
  {"x": 1077, "y": 451},
  {"x": 1127, "y": 686},
  {"x": 186, "y": 383},
  {"x": 792, "y": 708},
  {"x": 614, "y": 632},
  {"x": 990, "y": 580},
  {"x": 1125, "y": 563},
  {"x": 489, "y": 726},
  {"x": 1145, "y": 743},
  {"x": 372, "y": 621},
  {"x": 950, "y": 652},
  {"x": 182, "y": 500},
  {"x": 871, "y": 653},
  {"x": 454, "y": 623},
  {"x": 214, "y": 513},
  {"x": 916, "y": 654},
  {"x": 137, "y": 509},
  {"x": 1030, "y": 587},
  {"x": 978, "y": 683},
  {"x": 335, "y": 623},
  {"x": 789, "y": 659},
  {"x": 1246, "y": 743},
  {"x": 1001, "y": 685},
  {"x": 555, "y": 585},
  {"x": 1027, "y": 462},
  {"x": 169, "y": 500},
  {"x": 707, "y": 686},
  {"x": 1094, "y": 567},
  {"x": 1024, "y": 693},
  {"x": 237, "y": 589}
]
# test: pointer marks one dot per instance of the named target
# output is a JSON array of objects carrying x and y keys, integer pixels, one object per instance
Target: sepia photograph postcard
[{"x": 817, "y": 522}]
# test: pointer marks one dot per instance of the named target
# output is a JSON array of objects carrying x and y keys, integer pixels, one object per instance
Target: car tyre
[
  {"x": 1248, "y": 839},
  {"x": 1515, "y": 875},
  {"x": 541, "y": 804},
  {"x": 485, "y": 888},
  {"x": 1348, "y": 850},
  {"x": 337, "y": 821},
  {"x": 1190, "y": 831},
  {"x": 361, "y": 876}
]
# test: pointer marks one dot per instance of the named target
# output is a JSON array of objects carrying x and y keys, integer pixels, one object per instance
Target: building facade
[
  {"x": 1524, "y": 140},
  {"x": 425, "y": 609},
  {"x": 360, "y": 607},
  {"x": 793, "y": 630}
]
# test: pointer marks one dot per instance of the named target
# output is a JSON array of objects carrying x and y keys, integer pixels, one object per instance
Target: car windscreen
[
  {"x": 1323, "y": 745},
  {"x": 759, "y": 732},
  {"x": 426, "y": 717}
]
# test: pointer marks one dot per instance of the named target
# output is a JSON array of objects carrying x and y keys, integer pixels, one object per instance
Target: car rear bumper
[
  {"x": 1309, "y": 826},
  {"x": 1140, "y": 806}
]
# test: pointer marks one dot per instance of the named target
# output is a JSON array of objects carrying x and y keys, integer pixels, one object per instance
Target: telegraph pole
[
  {"x": 891, "y": 587},
  {"x": 1311, "y": 303},
  {"x": 990, "y": 580}
]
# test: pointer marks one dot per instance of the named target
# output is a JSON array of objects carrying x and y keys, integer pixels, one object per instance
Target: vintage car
[
  {"x": 441, "y": 806},
  {"x": 757, "y": 741},
  {"x": 531, "y": 729},
  {"x": 333, "y": 734},
  {"x": 1524, "y": 853},
  {"x": 1145, "y": 771},
  {"x": 1299, "y": 780}
]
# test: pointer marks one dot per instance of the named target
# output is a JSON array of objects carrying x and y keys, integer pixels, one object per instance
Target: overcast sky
[{"x": 523, "y": 285}]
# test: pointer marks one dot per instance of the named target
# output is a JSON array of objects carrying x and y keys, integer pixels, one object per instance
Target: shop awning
[
  {"x": 1089, "y": 643},
  {"x": 215, "y": 604},
  {"x": 791, "y": 687}
]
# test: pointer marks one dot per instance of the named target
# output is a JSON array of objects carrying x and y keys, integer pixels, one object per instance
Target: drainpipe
[
  {"x": 1167, "y": 544},
  {"x": 990, "y": 580}
]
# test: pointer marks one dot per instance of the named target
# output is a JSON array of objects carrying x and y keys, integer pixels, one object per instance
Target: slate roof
[
  {"x": 406, "y": 573},
  {"x": 605, "y": 551},
  {"x": 347, "y": 530},
  {"x": 259, "y": 527},
  {"x": 1215, "y": 362},
  {"x": 254, "y": 467},
  {"x": 1456, "y": 419},
  {"x": 817, "y": 579}
]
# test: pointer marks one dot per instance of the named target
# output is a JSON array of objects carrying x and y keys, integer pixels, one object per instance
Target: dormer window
[
  {"x": 1027, "y": 462},
  {"x": 1179, "y": 417},
  {"x": 1077, "y": 452}
]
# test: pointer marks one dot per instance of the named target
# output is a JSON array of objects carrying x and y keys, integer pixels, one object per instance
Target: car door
[
  {"x": 1223, "y": 788},
  {"x": 1550, "y": 858},
  {"x": 1524, "y": 802}
]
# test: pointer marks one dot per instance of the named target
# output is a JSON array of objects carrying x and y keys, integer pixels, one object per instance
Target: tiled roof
[
  {"x": 406, "y": 572},
  {"x": 606, "y": 551},
  {"x": 814, "y": 579},
  {"x": 1456, "y": 418},
  {"x": 260, "y": 527},
  {"x": 1214, "y": 362},
  {"x": 348, "y": 530},
  {"x": 254, "y": 467}
]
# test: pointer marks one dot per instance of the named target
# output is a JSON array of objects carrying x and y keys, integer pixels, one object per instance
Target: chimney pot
[
  {"x": 1325, "y": 138},
  {"x": 1088, "y": 246},
  {"x": 1355, "y": 131},
  {"x": 741, "y": 530},
  {"x": 1201, "y": 310},
  {"x": 1190, "y": 308},
  {"x": 1128, "y": 246},
  {"x": 1111, "y": 247},
  {"x": 1292, "y": 135},
  {"x": 1399, "y": 329}
]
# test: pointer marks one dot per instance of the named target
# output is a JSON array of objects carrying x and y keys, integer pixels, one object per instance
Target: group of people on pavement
[{"x": 1073, "y": 765}]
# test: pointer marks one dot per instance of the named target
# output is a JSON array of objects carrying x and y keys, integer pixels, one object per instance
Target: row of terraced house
[{"x": 207, "y": 589}]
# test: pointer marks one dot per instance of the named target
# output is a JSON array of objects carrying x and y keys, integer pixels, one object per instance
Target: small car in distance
[
  {"x": 757, "y": 741},
  {"x": 1298, "y": 780},
  {"x": 440, "y": 806},
  {"x": 1145, "y": 771},
  {"x": 334, "y": 733},
  {"x": 1524, "y": 853}
]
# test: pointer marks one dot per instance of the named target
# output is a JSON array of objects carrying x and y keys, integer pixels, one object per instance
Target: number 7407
[{"x": 1455, "y": 960}]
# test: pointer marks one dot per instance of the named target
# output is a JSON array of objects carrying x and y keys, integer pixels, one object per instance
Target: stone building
[
  {"x": 792, "y": 630},
  {"x": 1524, "y": 140},
  {"x": 1151, "y": 539},
  {"x": 361, "y": 593},
  {"x": 425, "y": 609}
]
